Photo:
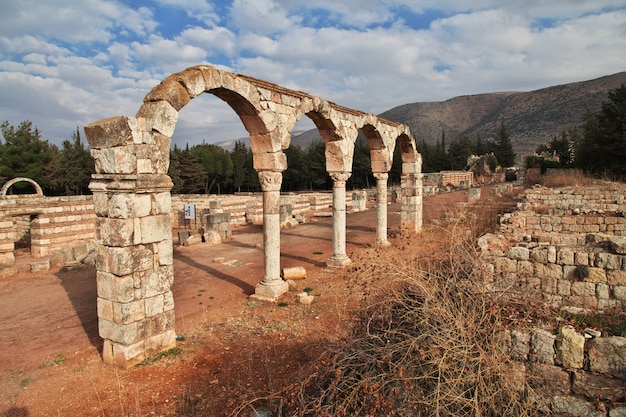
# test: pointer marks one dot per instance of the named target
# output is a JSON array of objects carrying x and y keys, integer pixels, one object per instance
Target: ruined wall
[
  {"x": 566, "y": 248},
  {"x": 248, "y": 208},
  {"x": 567, "y": 245},
  {"x": 49, "y": 223}
]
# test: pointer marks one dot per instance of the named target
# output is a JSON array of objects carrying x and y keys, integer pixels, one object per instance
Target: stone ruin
[
  {"x": 132, "y": 202},
  {"x": 566, "y": 248}
]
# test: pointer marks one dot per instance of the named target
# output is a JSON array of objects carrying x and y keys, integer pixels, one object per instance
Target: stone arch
[
  {"x": 132, "y": 201},
  {"x": 9, "y": 184}
]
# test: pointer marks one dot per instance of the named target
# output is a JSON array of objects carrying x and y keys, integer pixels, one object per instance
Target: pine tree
[{"x": 504, "y": 148}]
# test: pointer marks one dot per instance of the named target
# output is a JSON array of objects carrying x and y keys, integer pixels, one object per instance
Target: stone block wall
[
  {"x": 574, "y": 373},
  {"x": 52, "y": 223},
  {"x": 247, "y": 208},
  {"x": 566, "y": 245}
]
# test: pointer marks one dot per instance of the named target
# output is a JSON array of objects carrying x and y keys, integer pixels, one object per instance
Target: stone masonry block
[
  {"x": 105, "y": 308},
  {"x": 121, "y": 160},
  {"x": 159, "y": 323},
  {"x": 168, "y": 301},
  {"x": 571, "y": 352},
  {"x": 542, "y": 347},
  {"x": 154, "y": 305},
  {"x": 111, "y": 132},
  {"x": 565, "y": 257},
  {"x": 126, "y": 334},
  {"x": 154, "y": 282},
  {"x": 115, "y": 288},
  {"x": 123, "y": 261},
  {"x": 125, "y": 356},
  {"x": 156, "y": 228},
  {"x": 616, "y": 277},
  {"x": 607, "y": 356},
  {"x": 171, "y": 91},
  {"x": 519, "y": 253},
  {"x": 602, "y": 291},
  {"x": 596, "y": 275},
  {"x": 125, "y": 313},
  {"x": 162, "y": 203},
  {"x": 160, "y": 116},
  {"x": 619, "y": 292},
  {"x": 160, "y": 342},
  {"x": 583, "y": 289},
  {"x": 116, "y": 232},
  {"x": 165, "y": 252}
]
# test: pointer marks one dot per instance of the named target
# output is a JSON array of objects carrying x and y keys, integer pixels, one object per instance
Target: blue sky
[{"x": 67, "y": 63}]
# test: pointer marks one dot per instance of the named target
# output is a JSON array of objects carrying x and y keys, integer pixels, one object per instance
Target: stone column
[
  {"x": 339, "y": 258},
  {"x": 272, "y": 286},
  {"x": 411, "y": 188},
  {"x": 381, "y": 208},
  {"x": 134, "y": 254}
]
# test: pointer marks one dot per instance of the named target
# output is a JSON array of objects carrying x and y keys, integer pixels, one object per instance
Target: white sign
[{"x": 190, "y": 211}]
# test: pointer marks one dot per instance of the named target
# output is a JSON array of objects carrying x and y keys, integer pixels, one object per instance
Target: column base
[
  {"x": 338, "y": 261},
  {"x": 269, "y": 293},
  {"x": 383, "y": 243}
]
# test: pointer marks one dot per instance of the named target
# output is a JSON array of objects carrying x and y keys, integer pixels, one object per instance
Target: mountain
[{"x": 531, "y": 118}]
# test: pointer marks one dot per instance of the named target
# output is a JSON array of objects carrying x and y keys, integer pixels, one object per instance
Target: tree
[
  {"x": 25, "y": 154},
  {"x": 362, "y": 175},
  {"x": 193, "y": 175},
  {"x": 238, "y": 156},
  {"x": 315, "y": 167},
  {"x": 75, "y": 166},
  {"x": 217, "y": 163},
  {"x": 603, "y": 147},
  {"x": 504, "y": 148},
  {"x": 294, "y": 177},
  {"x": 562, "y": 147},
  {"x": 459, "y": 152},
  {"x": 175, "y": 171}
]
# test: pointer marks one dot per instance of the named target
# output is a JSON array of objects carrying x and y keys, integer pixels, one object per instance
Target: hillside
[{"x": 532, "y": 118}]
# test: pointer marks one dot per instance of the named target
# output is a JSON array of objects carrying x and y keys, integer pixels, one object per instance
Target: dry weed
[
  {"x": 565, "y": 178},
  {"x": 424, "y": 342}
]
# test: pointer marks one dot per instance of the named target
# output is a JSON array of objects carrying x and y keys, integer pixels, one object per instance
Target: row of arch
[{"x": 132, "y": 200}]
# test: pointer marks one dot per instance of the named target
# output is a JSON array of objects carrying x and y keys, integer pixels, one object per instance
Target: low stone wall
[
  {"x": 576, "y": 374},
  {"x": 566, "y": 245},
  {"x": 45, "y": 224},
  {"x": 248, "y": 208},
  {"x": 566, "y": 248}
]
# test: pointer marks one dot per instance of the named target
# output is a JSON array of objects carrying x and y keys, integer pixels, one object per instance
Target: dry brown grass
[
  {"x": 424, "y": 342},
  {"x": 566, "y": 178}
]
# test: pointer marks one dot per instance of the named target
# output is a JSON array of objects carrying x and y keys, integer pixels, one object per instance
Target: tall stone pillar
[
  {"x": 339, "y": 258},
  {"x": 134, "y": 255},
  {"x": 272, "y": 286},
  {"x": 381, "y": 208},
  {"x": 411, "y": 189}
]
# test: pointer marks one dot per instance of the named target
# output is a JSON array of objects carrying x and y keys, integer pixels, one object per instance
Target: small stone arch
[
  {"x": 131, "y": 193},
  {"x": 9, "y": 184}
]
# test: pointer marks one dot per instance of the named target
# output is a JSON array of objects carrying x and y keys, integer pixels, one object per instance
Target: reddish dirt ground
[{"x": 50, "y": 352}]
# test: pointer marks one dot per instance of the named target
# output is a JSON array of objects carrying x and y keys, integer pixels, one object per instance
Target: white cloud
[
  {"x": 201, "y": 10},
  {"x": 264, "y": 17},
  {"x": 65, "y": 63}
]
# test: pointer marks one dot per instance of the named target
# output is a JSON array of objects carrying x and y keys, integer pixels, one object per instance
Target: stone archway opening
[{"x": 131, "y": 192}]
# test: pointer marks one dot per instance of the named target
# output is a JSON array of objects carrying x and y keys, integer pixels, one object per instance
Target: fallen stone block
[
  {"x": 305, "y": 298},
  {"x": 296, "y": 272},
  {"x": 7, "y": 271},
  {"x": 40, "y": 266}
]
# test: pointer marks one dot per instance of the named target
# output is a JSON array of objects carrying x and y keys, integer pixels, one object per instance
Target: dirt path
[{"x": 50, "y": 360}]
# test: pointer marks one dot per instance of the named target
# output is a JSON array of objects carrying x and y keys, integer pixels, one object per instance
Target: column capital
[
  {"x": 339, "y": 178},
  {"x": 270, "y": 180},
  {"x": 381, "y": 176}
]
